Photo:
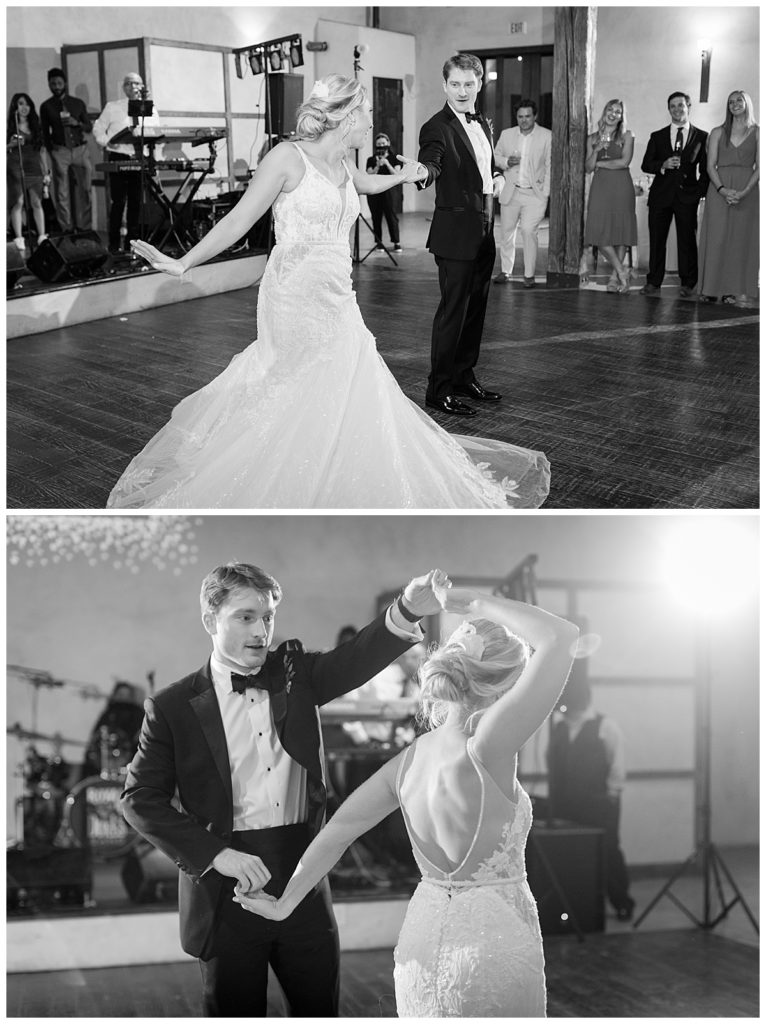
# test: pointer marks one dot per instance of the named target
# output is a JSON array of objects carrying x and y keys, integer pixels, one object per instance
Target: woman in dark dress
[
  {"x": 610, "y": 223},
  {"x": 729, "y": 235},
  {"x": 28, "y": 168}
]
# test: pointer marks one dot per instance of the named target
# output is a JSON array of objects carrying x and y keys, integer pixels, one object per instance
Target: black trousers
[
  {"x": 383, "y": 206},
  {"x": 660, "y": 218},
  {"x": 459, "y": 321},
  {"x": 124, "y": 189},
  {"x": 303, "y": 951}
]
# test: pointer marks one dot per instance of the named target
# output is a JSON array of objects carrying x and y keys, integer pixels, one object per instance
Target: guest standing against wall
[
  {"x": 729, "y": 236},
  {"x": 66, "y": 124},
  {"x": 524, "y": 154},
  {"x": 610, "y": 223},
  {"x": 677, "y": 157}
]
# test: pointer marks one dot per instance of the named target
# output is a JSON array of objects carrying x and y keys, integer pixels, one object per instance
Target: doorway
[
  {"x": 387, "y": 113},
  {"x": 511, "y": 75}
]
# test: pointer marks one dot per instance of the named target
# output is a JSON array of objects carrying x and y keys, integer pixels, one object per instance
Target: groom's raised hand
[{"x": 419, "y": 596}]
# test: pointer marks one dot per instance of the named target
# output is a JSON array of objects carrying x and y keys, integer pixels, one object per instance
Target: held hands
[
  {"x": 250, "y": 871},
  {"x": 158, "y": 260},
  {"x": 672, "y": 163},
  {"x": 457, "y": 600},
  {"x": 411, "y": 170},
  {"x": 263, "y": 905},
  {"x": 731, "y": 196},
  {"x": 420, "y": 594}
]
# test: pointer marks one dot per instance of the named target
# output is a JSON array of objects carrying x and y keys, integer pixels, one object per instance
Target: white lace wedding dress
[
  {"x": 309, "y": 416},
  {"x": 470, "y": 945}
]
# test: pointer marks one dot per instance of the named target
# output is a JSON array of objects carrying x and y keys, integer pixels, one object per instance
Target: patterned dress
[{"x": 470, "y": 944}]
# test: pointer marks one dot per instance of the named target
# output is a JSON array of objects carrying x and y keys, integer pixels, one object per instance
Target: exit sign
[{"x": 518, "y": 28}]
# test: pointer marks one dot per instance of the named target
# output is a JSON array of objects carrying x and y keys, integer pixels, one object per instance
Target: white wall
[{"x": 95, "y": 624}]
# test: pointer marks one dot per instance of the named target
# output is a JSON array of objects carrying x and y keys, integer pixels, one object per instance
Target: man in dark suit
[
  {"x": 677, "y": 157},
  {"x": 456, "y": 151},
  {"x": 228, "y": 781}
]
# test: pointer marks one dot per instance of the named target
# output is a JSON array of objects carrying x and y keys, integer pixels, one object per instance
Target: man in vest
[{"x": 586, "y": 771}]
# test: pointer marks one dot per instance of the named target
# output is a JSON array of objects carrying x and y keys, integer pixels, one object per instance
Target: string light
[{"x": 123, "y": 542}]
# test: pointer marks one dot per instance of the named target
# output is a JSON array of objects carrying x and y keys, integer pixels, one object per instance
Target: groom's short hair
[
  {"x": 224, "y": 579},
  {"x": 465, "y": 62}
]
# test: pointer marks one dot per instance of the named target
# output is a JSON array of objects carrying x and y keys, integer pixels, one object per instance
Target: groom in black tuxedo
[
  {"x": 456, "y": 151},
  {"x": 677, "y": 157},
  {"x": 228, "y": 781}
]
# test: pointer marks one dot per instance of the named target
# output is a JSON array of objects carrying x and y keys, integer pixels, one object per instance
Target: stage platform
[{"x": 121, "y": 288}]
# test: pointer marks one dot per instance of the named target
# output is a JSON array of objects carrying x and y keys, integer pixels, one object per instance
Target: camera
[{"x": 381, "y": 150}]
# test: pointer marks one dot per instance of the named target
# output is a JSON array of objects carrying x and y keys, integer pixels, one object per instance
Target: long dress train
[
  {"x": 470, "y": 944},
  {"x": 309, "y": 415}
]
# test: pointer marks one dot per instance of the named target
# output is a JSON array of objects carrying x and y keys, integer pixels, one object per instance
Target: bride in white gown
[
  {"x": 470, "y": 945},
  {"x": 309, "y": 416}
]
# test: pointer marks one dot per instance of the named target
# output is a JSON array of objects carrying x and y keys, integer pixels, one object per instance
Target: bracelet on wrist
[
  {"x": 406, "y": 613},
  {"x": 719, "y": 188}
]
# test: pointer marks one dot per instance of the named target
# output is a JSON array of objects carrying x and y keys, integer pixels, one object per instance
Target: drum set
[{"x": 61, "y": 804}]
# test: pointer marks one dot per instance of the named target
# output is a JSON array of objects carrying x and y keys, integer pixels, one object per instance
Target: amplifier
[
  {"x": 44, "y": 876},
  {"x": 567, "y": 875},
  {"x": 68, "y": 258}
]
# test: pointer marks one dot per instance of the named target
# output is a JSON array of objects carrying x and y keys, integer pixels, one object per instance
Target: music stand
[{"x": 139, "y": 110}]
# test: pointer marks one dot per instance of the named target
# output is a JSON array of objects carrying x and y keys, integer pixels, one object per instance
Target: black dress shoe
[
  {"x": 649, "y": 289},
  {"x": 451, "y": 405},
  {"x": 477, "y": 392}
]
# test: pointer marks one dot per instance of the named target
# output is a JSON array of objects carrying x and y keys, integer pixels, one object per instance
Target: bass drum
[{"x": 94, "y": 821}]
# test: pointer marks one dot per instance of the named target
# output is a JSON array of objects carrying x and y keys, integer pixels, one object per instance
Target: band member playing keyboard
[{"x": 124, "y": 187}]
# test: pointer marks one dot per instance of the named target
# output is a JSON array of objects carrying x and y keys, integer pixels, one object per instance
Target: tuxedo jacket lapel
[{"x": 205, "y": 706}]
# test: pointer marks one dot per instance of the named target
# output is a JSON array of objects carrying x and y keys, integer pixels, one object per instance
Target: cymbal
[{"x": 25, "y": 734}]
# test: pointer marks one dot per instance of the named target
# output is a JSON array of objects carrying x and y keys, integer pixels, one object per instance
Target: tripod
[
  {"x": 355, "y": 255},
  {"x": 706, "y": 853}
]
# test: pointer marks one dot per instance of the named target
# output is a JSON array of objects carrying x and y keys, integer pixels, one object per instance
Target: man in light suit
[
  {"x": 524, "y": 153},
  {"x": 229, "y": 783},
  {"x": 677, "y": 157},
  {"x": 456, "y": 152}
]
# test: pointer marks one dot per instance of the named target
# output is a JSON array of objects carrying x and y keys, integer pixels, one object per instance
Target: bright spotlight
[{"x": 711, "y": 566}]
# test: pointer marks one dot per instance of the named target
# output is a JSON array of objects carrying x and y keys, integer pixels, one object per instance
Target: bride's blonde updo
[
  {"x": 478, "y": 664},
  {"x": 331, "y": 99}
]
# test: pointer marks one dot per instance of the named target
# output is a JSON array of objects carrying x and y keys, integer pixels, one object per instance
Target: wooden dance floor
[
  {"x": 656, "y": 974},
  {"x": 637, "y": 402}
]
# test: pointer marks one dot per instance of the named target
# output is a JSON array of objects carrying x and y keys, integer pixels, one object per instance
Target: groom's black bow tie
[
  {"x": 473, "y": 117},
  {"x": 240, "y": 683}
]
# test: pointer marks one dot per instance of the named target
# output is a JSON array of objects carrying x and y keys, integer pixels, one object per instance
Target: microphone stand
[
  {"x": 138, "y": 110},
  {"x": 27, "y": 208}
]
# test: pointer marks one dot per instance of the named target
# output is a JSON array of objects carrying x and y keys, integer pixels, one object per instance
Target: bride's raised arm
[
  {"x": 508, "y": 723},
  {"x": 281, "y": 166},
  {"x": 370, "y": 803}
]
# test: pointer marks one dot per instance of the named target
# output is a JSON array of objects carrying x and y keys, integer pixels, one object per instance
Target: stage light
[
  {"x": 709, "y": 566},
  {"x": 275, "y": 58},
  {"x": 238, "y": 65},
  {"x": 255, "y": 58},
  {"x": 296, "y": 52}
]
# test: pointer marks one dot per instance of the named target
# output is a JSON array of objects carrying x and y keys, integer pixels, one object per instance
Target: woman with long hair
[
  {"x": 729, "y": 236},
  {"x": 28, "y": 167},
  {"x": 470, "y": 944},
  {"x": 309, "y": 416},
  {"x": 610, "y": 223}
]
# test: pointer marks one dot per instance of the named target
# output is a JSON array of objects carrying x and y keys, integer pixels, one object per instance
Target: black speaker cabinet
[
  {"x": 566, "y": 871},
  {"x": 68, "y": 258},
  {"x": 14, "y": 264},
  {"x": 44, "y": 876},
  {"x": 149, "y": 876},
  {"x": 285, "y": 96}
]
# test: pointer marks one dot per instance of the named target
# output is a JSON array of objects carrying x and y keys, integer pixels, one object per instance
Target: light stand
[
  {"x": 290, "y": 49},
  {"x": 355, "y": 255},
  {"x": 705, "y": 853}
]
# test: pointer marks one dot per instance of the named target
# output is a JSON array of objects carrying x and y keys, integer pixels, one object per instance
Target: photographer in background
[{"x": 383, "y": 161}]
